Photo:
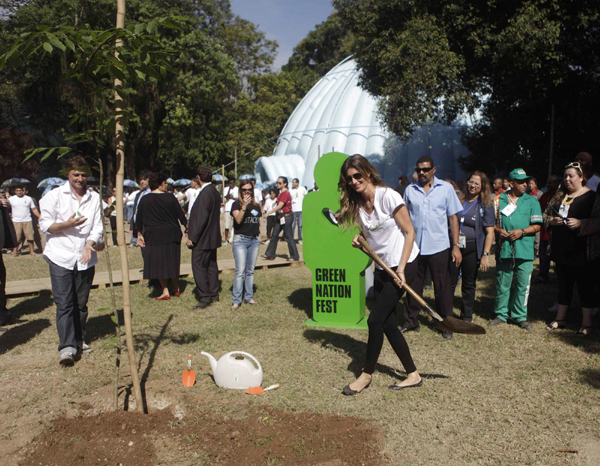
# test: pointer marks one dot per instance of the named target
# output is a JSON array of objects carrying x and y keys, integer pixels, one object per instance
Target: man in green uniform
[{"x": 518, "y": 219}]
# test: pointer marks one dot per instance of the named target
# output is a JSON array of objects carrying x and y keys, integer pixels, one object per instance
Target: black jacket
[{"x": 204, "y": 226}]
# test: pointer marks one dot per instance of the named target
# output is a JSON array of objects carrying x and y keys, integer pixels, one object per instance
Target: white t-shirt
[
  {"x": 234, "y": 196},
  {"x": 21, "y": 208},
  {"x": 258, "y": 195},
  {"x": 381, "y": 230},
  {"x": 593, "y": 182},
  {"x": 191, "y": 194},
  {"x": 297, "y": 198},
  {"x": 268, "y": 205},
  {"x": 131, "y": 197}
]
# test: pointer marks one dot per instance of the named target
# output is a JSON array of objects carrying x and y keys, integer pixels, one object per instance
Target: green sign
[{"x": 337, "y": 268}]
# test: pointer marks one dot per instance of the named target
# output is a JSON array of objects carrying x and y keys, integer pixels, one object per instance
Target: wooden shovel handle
[{"x": 368, "y": 250}]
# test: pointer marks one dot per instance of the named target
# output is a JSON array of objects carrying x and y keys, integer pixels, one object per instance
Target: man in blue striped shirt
[{"x": 433, "y": 205}]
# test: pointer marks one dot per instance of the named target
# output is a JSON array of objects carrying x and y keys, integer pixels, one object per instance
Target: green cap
[{"x": 518, "y": 174}]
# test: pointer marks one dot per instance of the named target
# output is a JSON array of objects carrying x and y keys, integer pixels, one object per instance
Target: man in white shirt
[
  {"x": 230, "y": 195},
  {"x": 192, "y": 193},
  {"x": 298, "y": 192},
  {"x": 71, "y": 218},
  {"x": 22, "y": 206}
]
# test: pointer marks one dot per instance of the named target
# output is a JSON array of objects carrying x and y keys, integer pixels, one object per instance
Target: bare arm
[
  {"x": 487, "y": 247},
  {"x": 456, "y": 254},
  {"x": 403, "y": 221}
]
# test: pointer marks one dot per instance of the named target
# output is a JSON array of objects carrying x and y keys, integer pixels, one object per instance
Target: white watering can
[{"x": 236, "y": 370}]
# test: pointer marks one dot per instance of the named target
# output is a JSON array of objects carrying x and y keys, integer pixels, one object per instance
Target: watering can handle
[{"x": 249, "y": 356}]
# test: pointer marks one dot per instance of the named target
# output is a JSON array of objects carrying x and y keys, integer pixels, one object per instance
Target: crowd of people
[
  {"x": 437, "y": 227},
  {"x": 429, "y": 230}
]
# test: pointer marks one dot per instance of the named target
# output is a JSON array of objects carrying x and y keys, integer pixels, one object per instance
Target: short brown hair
[
  {"x": 205, "y": 174},
  {"x": 77, "y": 163}
]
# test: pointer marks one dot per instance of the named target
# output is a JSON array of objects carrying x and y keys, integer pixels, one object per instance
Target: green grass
[{"x": 507, "y": 397}]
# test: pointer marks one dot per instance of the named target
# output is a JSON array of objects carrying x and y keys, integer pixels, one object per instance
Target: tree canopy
[{"x": 508, "y": 62}]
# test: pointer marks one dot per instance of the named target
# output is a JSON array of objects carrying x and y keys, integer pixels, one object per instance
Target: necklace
[
  {"x": 568, "y": 200},
  {"x": 510, "y": 199}
]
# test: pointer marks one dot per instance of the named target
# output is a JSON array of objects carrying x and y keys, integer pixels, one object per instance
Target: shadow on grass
[
  {"x": 21, "y": 334},
  {"x": 302, "y": 299},
  {"x": 591, "y": 377},
  {"x": 356, "y": 350},
  {"x": 32, "y": 305},
  {"x": 589, "y": 344},
  {"x": 101, "y": 326}
]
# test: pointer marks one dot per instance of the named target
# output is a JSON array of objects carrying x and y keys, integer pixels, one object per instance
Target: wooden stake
[{"x": 120, "y": 150}]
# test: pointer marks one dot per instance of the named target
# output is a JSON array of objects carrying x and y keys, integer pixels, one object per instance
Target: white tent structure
[{"x": 337, "y": 115}]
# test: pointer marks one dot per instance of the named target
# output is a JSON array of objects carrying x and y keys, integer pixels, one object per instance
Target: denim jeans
[
  {"x": 71, "y": 289},
  {"x": 298, "y": 224},
  {"x": 245, "y": 253}
]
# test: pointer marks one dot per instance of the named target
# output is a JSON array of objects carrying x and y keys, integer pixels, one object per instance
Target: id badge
[
  {"x": 509, "y": 209},
  {"x": 462, "y": 241},
  {"x": 282, "y": 221},
  {"x": 564, "y": 211}
]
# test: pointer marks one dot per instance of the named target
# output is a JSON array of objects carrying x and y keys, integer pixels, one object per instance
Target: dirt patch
[{"x": 264, "y": 436}]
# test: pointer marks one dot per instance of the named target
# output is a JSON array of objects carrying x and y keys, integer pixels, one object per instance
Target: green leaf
[
  {"x": 47, "y": 47},
  {"x": 138, "y": 28},
  {"x": 114, "y": 319},
  {"x": 54, "y": 41},
  {"x": 102, "y": 310},
  {"x": 140, "y": 75},
  {"x": 48, "y": 153},
  {"x": 151, "y": 25},
  {"x": 69, "y": 43}
]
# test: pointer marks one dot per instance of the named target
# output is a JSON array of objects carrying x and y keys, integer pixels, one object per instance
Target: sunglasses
[
  {"x": 357, "y": 176},
  {"x": 575, "y": 165},
  {"x": 423, "y": 169},
  {"x": 247, "y": 190}
]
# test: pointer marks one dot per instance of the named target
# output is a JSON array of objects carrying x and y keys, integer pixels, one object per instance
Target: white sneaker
[
  {"x": 67, "y": 359},
  {"x": 85, "y": 349}
]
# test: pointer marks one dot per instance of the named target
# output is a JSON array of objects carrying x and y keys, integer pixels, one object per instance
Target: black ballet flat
[
  {"x": 349, "y": 392},
  {"x": 398, "y": 387}
]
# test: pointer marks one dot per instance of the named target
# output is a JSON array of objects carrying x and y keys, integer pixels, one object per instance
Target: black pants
[
  {"x": 586, "y": 278},
  {"x": 382, "y": 320},
  {"x": 469, "y": 267},
  {"x": 71, "y": 290},
  {"x": 113, "y": 229},
  {"x": 438, "y": 263},
  {"x": 270, "y": 225},
  {"x": 289, "y": 237},
  {"x": 3, "y": 310},
  {"x": 206, "y": 274},
  {"x": 544, "y": 260}
]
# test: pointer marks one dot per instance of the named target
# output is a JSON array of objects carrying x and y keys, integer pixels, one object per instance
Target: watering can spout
[{"x": 212, "y": 360}]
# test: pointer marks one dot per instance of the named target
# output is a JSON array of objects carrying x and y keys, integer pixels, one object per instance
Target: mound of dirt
[{"x": 265, "y": 436}]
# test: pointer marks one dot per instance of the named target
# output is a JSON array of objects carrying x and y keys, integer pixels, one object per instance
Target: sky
[{"x": 286, "y": 21}]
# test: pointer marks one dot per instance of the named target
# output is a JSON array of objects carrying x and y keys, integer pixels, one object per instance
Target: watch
[
  {"x": 457, "y": 245},
  {"x": 486, "y": 253}
]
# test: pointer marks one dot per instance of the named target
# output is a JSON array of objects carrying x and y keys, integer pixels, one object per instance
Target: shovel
[
  {"x": 260, "y": 390},
  {"x": 446, "y": 324},
  {"x": 189, "y": 376}
]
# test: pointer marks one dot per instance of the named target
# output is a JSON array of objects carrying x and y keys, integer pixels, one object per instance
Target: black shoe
[
  {"x": 201, "y": 305},
  {"x": 448, "y": 335},
  {"x": 525, "y": 325},
  {"x": 397, "y": 387},
  {"x": 409, "y": 328},
  {"x": 349, "y": 392},
  {"x": 214, "y": 300},
  {"x": 495, "y": 322}
]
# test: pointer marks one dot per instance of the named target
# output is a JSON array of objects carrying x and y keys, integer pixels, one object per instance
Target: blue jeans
[
  {"x": 245, "y": 253},
  {"x": 298, "y": 223}
]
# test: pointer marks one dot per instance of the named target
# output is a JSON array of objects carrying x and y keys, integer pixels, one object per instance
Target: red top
[{"x": 286, "y": 198}]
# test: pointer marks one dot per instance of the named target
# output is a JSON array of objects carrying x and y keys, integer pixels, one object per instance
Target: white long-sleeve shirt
[{"x": 66, "y": 248}]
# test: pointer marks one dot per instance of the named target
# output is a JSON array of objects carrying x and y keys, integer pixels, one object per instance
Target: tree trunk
[{"x": 120, "y": 151}]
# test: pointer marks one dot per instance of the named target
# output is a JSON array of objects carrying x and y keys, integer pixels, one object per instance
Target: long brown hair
[
  {"x": 240, "y": 198},
  {"x": 349, "y": 198},
  {"x": 485, "y": 196}
]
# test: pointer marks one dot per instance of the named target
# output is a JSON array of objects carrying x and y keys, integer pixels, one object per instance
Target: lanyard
[{"x": 465, "y": 212}]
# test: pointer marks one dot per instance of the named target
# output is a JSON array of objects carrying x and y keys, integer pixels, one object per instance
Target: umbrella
[
  {"x": 15, "y": 181},
  {"x": 47, "y": 189},
  {"x": 52, "y": 181},
  {"x": 247, "y": 176},
  {"x": 260, "y": 186},
  {"x": 170, "y": 181},
  {"x": 130, "y": 184},
  {"x": 217, "y": 177},
  {"x": 182, "y": 182}
]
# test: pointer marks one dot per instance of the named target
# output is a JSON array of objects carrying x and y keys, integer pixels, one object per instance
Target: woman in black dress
[
  {"x": 573, "y": 219},
  {"x": 158, "y": 222}
]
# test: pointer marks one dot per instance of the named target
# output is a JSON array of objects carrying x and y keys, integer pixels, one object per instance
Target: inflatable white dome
[{"x": 338, "y": 115}]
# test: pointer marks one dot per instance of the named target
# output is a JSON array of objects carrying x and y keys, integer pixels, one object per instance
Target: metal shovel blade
[{"x": 452, "y": 324}]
